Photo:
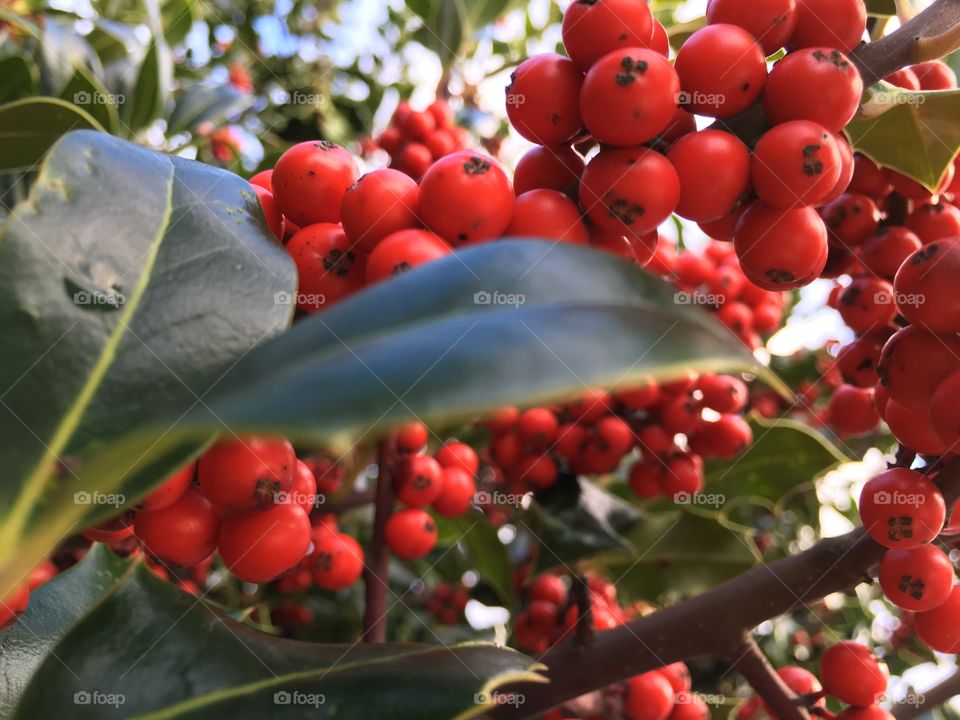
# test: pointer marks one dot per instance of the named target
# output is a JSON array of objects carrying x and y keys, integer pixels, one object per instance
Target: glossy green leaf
[
  {"x": 17, "y": 77},
  {"x": 201, "y": 103},
  {"x": 53, "y": 609},
  {"x": 488, "y": 554},
  {"x": 784, "y": 455},
  {"x": 146, "y": 648},
  {"x": 915, "y": 133},
  {"x": 444, "y": 26},
  {"x": 178, "y": 17},
  {"x": 684, "y": 551},
  {"x": 86, "y": 91},
  {"x": 576, "y": 520},
  {"x": 130, "y": 282},
  {"x": 151, "y": 90},
  {"x": 62, "y": 51},
  {"x": 30, "y": 127}
]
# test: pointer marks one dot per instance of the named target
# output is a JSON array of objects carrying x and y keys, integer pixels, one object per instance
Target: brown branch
[
  {"x": 926, "y": 701},
  {"x": 753, "y": 665},
  {"x": 376, "y": 570},
  {"x": 711, "y": 624}
]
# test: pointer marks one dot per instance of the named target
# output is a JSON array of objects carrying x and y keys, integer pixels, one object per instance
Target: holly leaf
[
  {"x": 145, "y": 648},
  {"x": 914, "y": 133},
  {"x": 30, "y": 127},
  {"x": 130, "y": 282},
  {"x": 488, "y": 554}
]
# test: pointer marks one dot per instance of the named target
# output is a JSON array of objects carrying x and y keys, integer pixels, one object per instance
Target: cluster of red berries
[
  {"x": 904, "y": 511},
  {"x": 665, "y": 421},
  {"x": 551, "y": 615},
  {"x": 715, "y": 280},
  {"x": 416, "y": 139},
  {"x": 617, "y": 89},
  {"x": 850, "y": 672},
  {"x": 445, "y": 481}
]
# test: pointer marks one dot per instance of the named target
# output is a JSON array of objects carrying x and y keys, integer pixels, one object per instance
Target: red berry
[
  {"x": 171, "y": 490},
  {"x": 411, "y": 533},
  {"x": 945, "y": 410},
  {"x": 328, "y": 268},
  {"x": 851, "y": 673},
  {"x": 913, "y": 428},
  {"x": 767, "y": 260},
  {"x": 722, "y": 71},
  {"x": 184, "y": 533},
  {"x": 679, "y": 676},
  {"x": 414, "y": 160},
  {"x": 271, "y": 213},
  {"x": 419, "y": 125},
  {"x": 649, "y": 697},
  {"x": 851, "y": 410},
  {"x": 537, "y": 471},
  {"x": 714, "y": 171},
  {"x": 926, "y": 287},
  {"x": 940, "y": 628},
  {"x": 547, "y": 214},
  {"x": 304, "y": 490},
  {"x": 403, "y": 251},
  {"x": 689, "y": 707},
  {"x": 935, "y": 221},
  {"x": 771, "y": 22},
  {"x": 917, "y": 580},
  {"x": 851, "y": 219},
  {"x": 914, "y": 362},
  {"x": 593, "y": 28},
  {"x": 556, "y": 167},
  {"x": 543, "y": 99},
  {"x": 726, "y": 438},
  {"x": 884, "y": 253},
  {"x": 466, "y": 197},
  {"x": 796, "y": 163},
  {"x": 457, "y": 454},
  {"x": 380, "y": 203},
  {"x": 683, "y": 477},
  {"x": 456, "y": 493},
  {"x": 644, "y": 478},
  {"x": 537, "y": 428},
  {"x": 935, "y": 75},
  {"x": 246, "y": 474},
  {"x": 722, "y": 393},
  {"x": 264, "y": 179},
  {"x": 867, "y": 304},
  {"x": 310, "y": 180},
  {"x": 419, "y": 481},
  {"x": 629, "y": 96},
  {"x": 614, "y": 435},
  {"x": 412, "y": 437},
  {"x": 260, "y": 547},
  {"x": 337, "y": 561},
  {"x": 629, "y": 190},
  {"x": 549, "y": 588},
  {"x": 818, "y": 84},
  {"x": 829, "y": 23},
  {"x": 901, "y": 509}
]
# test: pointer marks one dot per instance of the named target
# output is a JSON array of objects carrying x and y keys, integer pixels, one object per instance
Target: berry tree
[{"x": 634, "y": 396}]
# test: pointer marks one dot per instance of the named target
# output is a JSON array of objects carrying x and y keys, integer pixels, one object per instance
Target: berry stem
[
  {"x": 376, "y": 572},
  {"x": 922, "y": 703},
  {"x": 753, "y": 665},
  {"x": 711, "y": 624}
]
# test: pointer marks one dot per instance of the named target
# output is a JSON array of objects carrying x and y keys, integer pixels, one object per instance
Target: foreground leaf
[
  {"x": 130, "y": 282},
  {"x": 148, "y": 649},
  {"x": 914, "y": 133}
]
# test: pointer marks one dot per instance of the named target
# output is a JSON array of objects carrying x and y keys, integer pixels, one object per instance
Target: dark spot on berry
[{"x": 476, "y": 166}]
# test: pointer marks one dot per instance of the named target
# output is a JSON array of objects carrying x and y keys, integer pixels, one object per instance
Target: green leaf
[
  {"x": 54, "y": 608},
  {"x": 130, "y": 282},
  {"x": 17, "y": 77},
  {"x": 62, "y": 51},
  {"x": 201, "y": 103},
  {"x": 576, "y": 519},
  {"x": 784, "y": 455},
  {"x": 882, "y": 7},
  {"x": 158, "y": 652},
  {"x": 443, "y": 29},
  {"x": 28, "y": 129},
  {"x": 485, "y": 549},
  {"x": 178, "y": 18},
  {"x": 151, "y": 90},
  {"x": 682, "y": 551},
  {"x": 914, "y": 133},
  {"x": 86, "y": 91}
]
